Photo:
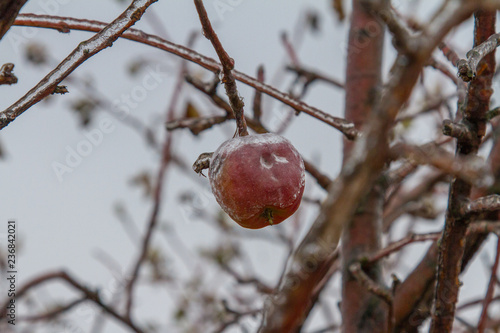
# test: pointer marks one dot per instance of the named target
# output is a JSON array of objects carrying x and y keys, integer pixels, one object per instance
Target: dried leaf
[
  {"x": 191, "y": 111},
  {"x": 143, "y": 180},
  {"x": 36, "y": 53},
  {"x": 84, "y": 108},
  {"x": 338, "y": 7}
]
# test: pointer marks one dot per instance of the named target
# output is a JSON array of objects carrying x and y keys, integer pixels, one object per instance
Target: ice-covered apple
[{"x": 258, "y": 180}]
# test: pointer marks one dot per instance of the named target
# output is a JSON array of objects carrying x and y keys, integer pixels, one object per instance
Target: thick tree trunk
[{"x": 362, "y": 311}]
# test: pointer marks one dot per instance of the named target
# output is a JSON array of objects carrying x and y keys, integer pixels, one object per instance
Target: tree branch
[
  {"x": 227, "y": 68},
  {"x": 490, "y": 203},
  {"x": 157, "y": 194},
  {"x": 308, "y": 263},
  {"x": 196, "y": 125},
  {"x": 472, "y": 170},
  {"x": 483, "y": 319},
  {"x": 66, "y": 23},
  {"x": 452, "y": 245},
  {"x": 85, "y": 50},
  {"x": 468, "y": 68},
  {"x": 89, "y": 294},
  {"x": 458, "y": 131},
  {"x": 9, "y": 9},
  {"x": 54, "y": 313},
  {"x": 311, "y": 76}
]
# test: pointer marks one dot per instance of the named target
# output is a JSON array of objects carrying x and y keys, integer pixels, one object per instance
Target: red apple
[{"x": 258, "y": 180}]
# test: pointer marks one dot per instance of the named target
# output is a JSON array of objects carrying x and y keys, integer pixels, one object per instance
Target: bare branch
[
  {"x": 472, "y": 170},
  {"x": 468, "y": 68},
  {"x": 227, "y": 68},
  {"x": 485, "y": 204},
  {"x": 356, "y": 177},
  {"x": 493, "y": 113},
  {"x": 453, "y": 242},
  {"x": 484, "y": 227},
  {"x": 6, "y": 75},
  {"x": 55, "y": 312},
  {"x": 396, "y": 246},
  {"x": 483, "y": 319},
  {"x": 157, "y": 195},
  {"x": 457, "y": 130},
  {"x": 369, "y": 284},
  {"x": 311, "y": 76},
  {"x": 89, "y": 294},
  {"x": 85, "y": 50},
  {"x": 55, "y": 22},
  {"x": 443, "y": 69},
  {"x": 400, "y": 200},
  {"x": 450, "y": 54},
  {"x": 257, "y": 99},
  {"x": 196, "y": 125}
]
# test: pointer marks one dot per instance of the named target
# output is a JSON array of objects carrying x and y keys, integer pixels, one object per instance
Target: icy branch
[
  {"x": 85, "y": 50},
  {"x": 66, "y": 23}
]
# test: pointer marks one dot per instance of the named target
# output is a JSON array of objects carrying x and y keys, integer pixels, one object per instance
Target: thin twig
[
  {"x": 493, "y": 113},
  {"x": 55, "y": 312},
  {"x": 290, "y": 50},
  {"x": 449, "y": 53},
  {"x": 311, "y": 76},
  {"x": 475, "y": 302},
  {"x": 396, "y": 246},
  {"x": 484, "y": 227},
  {"x": 443, "y": 69},
  {"x": 257, "y": 99},
  {"x": 157, "y": 195},
  {"x": 89, "y": 294},
  {"x": 472, "y": 170},
  {"x": 227, "y": 69},
  {"x": 372, "y": 286},
  {"x": 483, "y": 319}
]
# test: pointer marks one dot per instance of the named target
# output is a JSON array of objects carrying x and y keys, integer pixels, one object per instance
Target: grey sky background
[{"x": 68, "y": 222}]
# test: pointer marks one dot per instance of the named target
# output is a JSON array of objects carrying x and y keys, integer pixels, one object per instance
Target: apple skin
[{"x": 258, "y": 180}]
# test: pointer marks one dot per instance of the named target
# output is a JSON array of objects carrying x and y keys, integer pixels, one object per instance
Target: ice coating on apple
[{"x": 258, "y": 180}]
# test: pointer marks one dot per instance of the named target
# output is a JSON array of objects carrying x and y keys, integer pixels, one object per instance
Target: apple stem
[
  {"x": 227, "y": 67},
  {"x": 268, "y": 214}
]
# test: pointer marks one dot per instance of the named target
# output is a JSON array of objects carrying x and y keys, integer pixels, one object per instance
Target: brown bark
[
  {"x": 362, "y": 311},
  {"x": 8, "y": 13},
  {"x": 453, "y": 242}
]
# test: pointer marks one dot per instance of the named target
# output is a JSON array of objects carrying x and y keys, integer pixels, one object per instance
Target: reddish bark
[
  {"x": 362, "y": 311},
  {"x": 453, "y": 242}
]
